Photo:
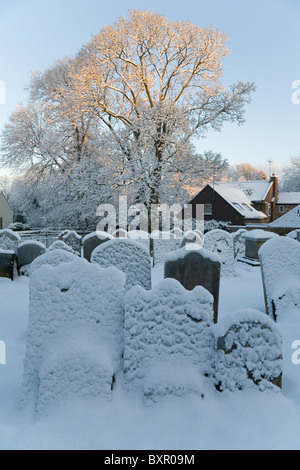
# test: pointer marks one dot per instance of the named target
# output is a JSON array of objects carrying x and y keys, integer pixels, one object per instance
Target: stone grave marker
[
  {"x": 28, "y": 251},
  {"x": 166, "y": 348},
  {"x": 162, "y": 243},
  {"x": 9, "y": 240},
  {"x": 254, "y": 239},
  {"x": 248, "y": 352},
  {"x": 280, "y": 268},
  {"x": 127, "y": 255},
  {"x": 195, "y": 268},
  {"x": 7, "y": 263},
  {"x": 72, "y": 239},
  {"x": 221, "y": 242},
  {"x": 92, "y": 240}
]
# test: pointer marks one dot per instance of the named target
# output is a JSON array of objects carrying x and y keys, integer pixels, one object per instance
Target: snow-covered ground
[{"x": 239, "y": 420}]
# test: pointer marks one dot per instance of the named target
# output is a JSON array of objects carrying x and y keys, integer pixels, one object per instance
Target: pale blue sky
[{"x": 264, "y": 42}]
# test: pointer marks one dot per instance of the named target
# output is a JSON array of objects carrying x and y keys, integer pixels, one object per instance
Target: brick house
[
  {"x": 286, "y": 202},
  {"x": 6, "y": 212},
  {"x": 239, "y": 202}
]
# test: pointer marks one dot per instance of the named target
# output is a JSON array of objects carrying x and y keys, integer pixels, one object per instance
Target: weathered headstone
[
  {"x": 195, "y": 268},
  {"x": 164, "y": 332},
  {"x": 72, "y": 239},
  {"x": 127, "y": 255},
  {"x": 9, "y": 240},
  {"x": 192, "y": 237},
  {"x": 60, "y": 245},
  {"x": 163, "y": 242},
  {"x": 221, "y": 242},
  {"x": 28, "y": 251},
  {"x": 92, "y": 240},
  {"x": 52, "y": 258},
  {"x": 239, "y": 243},
  {"x": 248, "y": 352},
  {"x": 280, "y": 268},
  {"x": 75, "y": 332},
  {"x": 7, "y": 263},
  {"x": 254, "y": 239}
]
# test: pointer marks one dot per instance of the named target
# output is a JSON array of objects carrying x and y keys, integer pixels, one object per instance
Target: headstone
[
  {"x": 298, "y": 235},
  {"x": 280, "y": 268},
  {"x": 7, "y": 263},
  {"x": 239, "y": 243},
  {"x": 92, "y": 240},
  {"x": 72, "y": 239},
  {"x": 140, "y": 236},
  {"x": 166, "y": 348},
  {"x": 120, "y": 233},
  {"x": 52, "y": 258},
  {"x": 60, "y": 245},
  {"x": 221, "y": 242},
  {"x": 75, "y": 332},
  {"x": 28, "y": 251},
  {"x": 9, "y": 240},
  {"x": 127, "y": 255},
  {"x": 192, "y": 237},
  {"x": 195, "y": 268},
  {"x": 163, "y": 242},
  {"x": 248, "y": 352},
  {"x": 254, "y": 239}
]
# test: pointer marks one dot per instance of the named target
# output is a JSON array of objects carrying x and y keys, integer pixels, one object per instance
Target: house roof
[
  {"x": 289, "y": 198},
  {"x": 255, "y": 190},
  {"x": 289, "y": 220},
  {"x": 238, "y": 200}
]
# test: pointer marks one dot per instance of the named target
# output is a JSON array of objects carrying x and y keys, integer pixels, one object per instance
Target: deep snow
[{"x": 238, "y": 420}]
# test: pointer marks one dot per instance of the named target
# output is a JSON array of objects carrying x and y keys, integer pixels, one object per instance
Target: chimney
[{"x": 274, "y": 180}]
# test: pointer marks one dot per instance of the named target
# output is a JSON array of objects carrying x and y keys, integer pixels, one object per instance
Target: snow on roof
[
  {"x": 289, "y": 220},
  {"x": 255, "y": 190},
  {"x": 289, "y": 198},
  {"x": 238, "y": 200}
]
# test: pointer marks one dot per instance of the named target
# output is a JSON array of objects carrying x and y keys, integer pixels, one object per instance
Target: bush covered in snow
[{"x": 9, "y": 240}]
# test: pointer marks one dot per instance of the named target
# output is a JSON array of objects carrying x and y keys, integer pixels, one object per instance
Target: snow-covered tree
[
  {"x": 245, "y": 171},
  {"x": 291, "y": 176}
]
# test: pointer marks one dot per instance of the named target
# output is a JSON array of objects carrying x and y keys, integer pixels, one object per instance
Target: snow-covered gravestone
[
  {"x": 28, "y": 251},
  {"x": 254, "y": 239},
  {"x": 7, "y": 263},
  {"x": 75, "y": 333},
  {"x": 9, "y": 240},
  {"x": 195, "y": 267},
  {"x": 248, "y": 352},
  {"x": 127, "y": 255},
  {"x": 163, "y": 242},
  {"x": 239, "y": 243},
  {"x": 52, "y": 258},
  {"x": 167, "y": 345},
  {"x": 280, "y": 268},
  {"x": 60, "y": 245},
  {"x": 140, "y": 236},
  {"x": 221, "y": 242},
  {"x": 92, "y": 240},
  {"x": 72, "y": 239}
]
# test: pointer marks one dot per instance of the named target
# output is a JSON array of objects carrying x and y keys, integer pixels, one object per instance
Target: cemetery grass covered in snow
[{"x": 115, "y": 349}]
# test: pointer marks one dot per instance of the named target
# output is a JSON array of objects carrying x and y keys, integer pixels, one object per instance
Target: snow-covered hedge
[
  {"x": 221, "y": 242},
  {"x": 127, "y": 255},
  {"x": 280, "y": 267},
  {"x": 167, "y": 325},
  {"x": 75, "y": 332},
  {"x": 248, "y": 352}
]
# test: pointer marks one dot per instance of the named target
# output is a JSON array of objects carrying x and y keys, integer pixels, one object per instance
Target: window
[
  {"x": 281, "y": 209},
  {"x": 207, "y": 209},
  {"x": 237, "y": 206},
  {"x": 247, "y": 207}
]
